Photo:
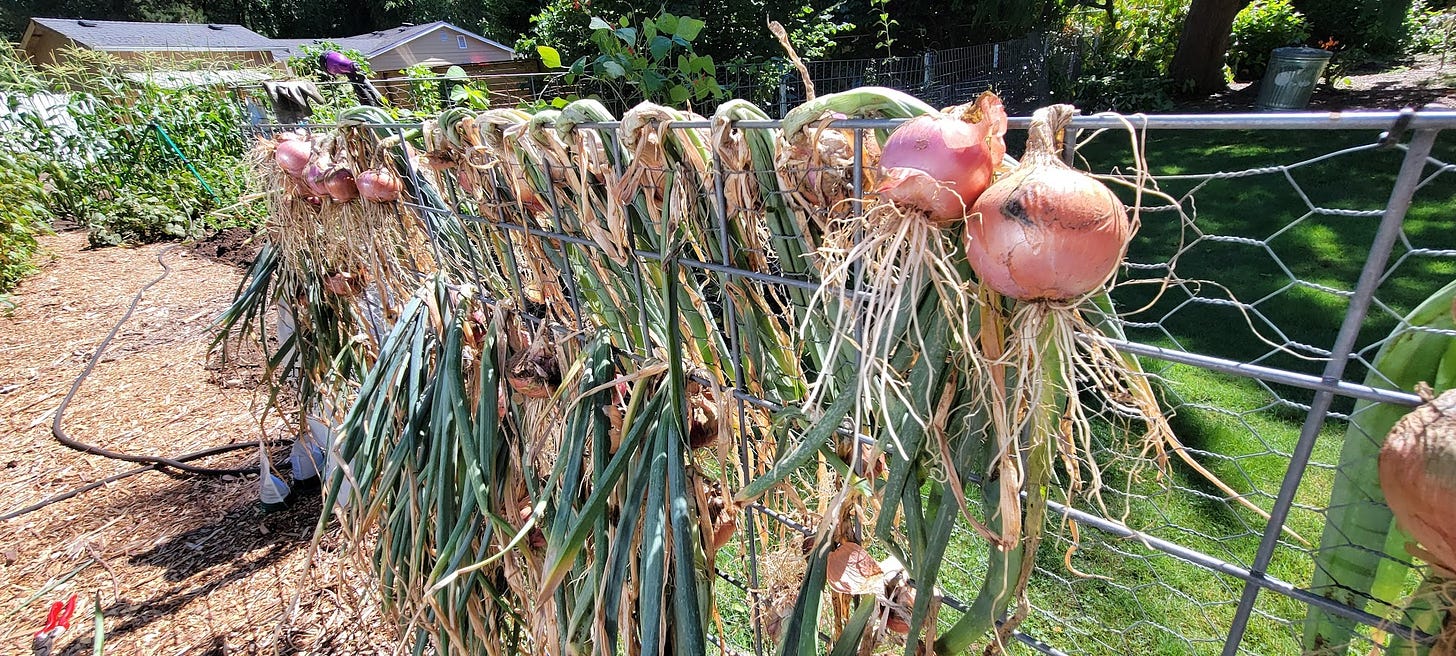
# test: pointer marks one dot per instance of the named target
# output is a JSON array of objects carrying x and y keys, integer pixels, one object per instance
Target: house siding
[
  {"x": 45, "y": 47},
  {"x": 48, "y": 48},
  {"x": 432, "y": 46}
]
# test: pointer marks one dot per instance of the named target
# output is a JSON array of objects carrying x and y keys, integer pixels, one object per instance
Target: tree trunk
[{"x": 1197, "y": 67}]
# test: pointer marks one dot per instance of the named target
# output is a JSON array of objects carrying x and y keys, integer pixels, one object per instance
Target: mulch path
[{"x": 179, "y": 564}]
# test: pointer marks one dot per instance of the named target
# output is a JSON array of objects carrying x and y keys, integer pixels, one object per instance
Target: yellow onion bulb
[
  {"x": 1417, "y": 469},
  {"x": 1046, "y": 231}
]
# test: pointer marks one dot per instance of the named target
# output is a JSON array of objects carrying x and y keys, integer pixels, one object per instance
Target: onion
[
  {"x": 534, "y": 372},
  {"x": 1047, "y": 231},
  {"x": 940, "y": 163},
  {"x": 703, "y": 419},
  {"x": 292, "y": 154},
  {"x": 313, "y": 178},
  {"x": 339, "y": 182},
  {"x": 345, "y": 284},
  {"x": 379, "y": 185},
  {"x": 1418, "y": 476}
]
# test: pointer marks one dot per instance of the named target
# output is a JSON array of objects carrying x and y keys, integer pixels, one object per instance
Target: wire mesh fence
[
  {"x": 1282, "y": 255},
  {"x": 1021, "y": 71}
]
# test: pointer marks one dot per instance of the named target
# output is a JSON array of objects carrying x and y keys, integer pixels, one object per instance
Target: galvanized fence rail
[{"x": 1186, "y": 570}]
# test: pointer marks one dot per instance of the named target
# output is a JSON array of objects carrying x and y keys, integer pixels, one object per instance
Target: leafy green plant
[
  {"x": 1125, "y": 62},
  {"x": 306, "y": 62},
  {"x": 653, "y": 61},
  {"x": 129, "y": 151},
  {"x": 1431, "y": 28},
  {"x": 883, "y": 23},
  {"x": 424, "y": 89},
  {"x": 460, "y": 91},
  {"x": 1375, "y": 27},
  {"x": 1258, "y": 30},
  {"x": 25, "y": 214}
]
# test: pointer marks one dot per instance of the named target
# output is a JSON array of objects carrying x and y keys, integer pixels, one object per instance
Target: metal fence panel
[{"x": 1261, "y": 327}]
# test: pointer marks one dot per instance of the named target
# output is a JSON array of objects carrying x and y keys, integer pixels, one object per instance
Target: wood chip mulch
[{"x": 179, "y": 564}]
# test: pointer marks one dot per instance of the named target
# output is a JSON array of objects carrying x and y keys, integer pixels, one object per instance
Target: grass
[{"x": 1244, "y": 430}]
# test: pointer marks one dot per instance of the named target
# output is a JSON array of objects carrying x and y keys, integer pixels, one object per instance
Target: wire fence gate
[{"x": 1258, "y": 300}]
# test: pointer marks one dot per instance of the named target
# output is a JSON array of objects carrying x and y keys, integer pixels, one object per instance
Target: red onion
[
  {"x": 313, "y": 178},
  {"x": 378, "y": 185},
  {"x": 1047, "y": 231},
  {"x": 940, "y": 163},
  {"x": 292, "y": 154},
  {"x": 339, "y": 182}
]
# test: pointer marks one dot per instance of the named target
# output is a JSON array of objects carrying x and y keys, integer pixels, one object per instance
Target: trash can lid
[{"x": 1302, "y": 53}]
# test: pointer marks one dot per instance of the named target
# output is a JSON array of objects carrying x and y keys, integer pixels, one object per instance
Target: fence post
[
  {"x": 783, "y": 95},
  {"x": 929, "y": 63},
  {"x": 1406, "y": 182}
]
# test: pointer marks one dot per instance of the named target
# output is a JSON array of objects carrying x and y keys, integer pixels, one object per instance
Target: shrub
[
  {"x": 1259, "y": 29},
  {"x": 652, "y": 61},
  {"x": 1125, "y": 62},
  {"x": 1431, "y": 28},
  {"x": 1374, "y": 27},
  {"x": 110, "y": 167},
  {"x": 23, "y": 215}
]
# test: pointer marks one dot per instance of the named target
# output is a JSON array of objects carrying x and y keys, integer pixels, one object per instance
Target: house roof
[
  {"x": 129, "y": 36},
  {"x": 377, "y": 43}
]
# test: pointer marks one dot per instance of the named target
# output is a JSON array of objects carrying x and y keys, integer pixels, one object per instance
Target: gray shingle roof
[
  {"x": 374, "y": 44},
  {"x": 122, "y": 35}
]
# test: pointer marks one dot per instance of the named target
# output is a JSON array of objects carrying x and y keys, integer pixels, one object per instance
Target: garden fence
[{"x": 1258, "y": 297}]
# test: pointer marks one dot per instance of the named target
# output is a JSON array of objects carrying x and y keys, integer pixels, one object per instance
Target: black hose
[
  {"x": 63, "y": 438},
  {"x": 196, "y": 455},
  {"x": 178, "y": 463}
]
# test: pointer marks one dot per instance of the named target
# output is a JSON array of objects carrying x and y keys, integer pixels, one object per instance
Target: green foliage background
[
  {"x": 1258, "y": 30},
  {"x": 103, "y": 161}
]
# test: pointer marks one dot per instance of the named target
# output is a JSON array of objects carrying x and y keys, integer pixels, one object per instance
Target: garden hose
[{"x": 178, "y": 463}]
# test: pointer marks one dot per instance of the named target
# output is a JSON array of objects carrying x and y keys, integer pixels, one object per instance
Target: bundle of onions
[
  {"x": 815, "y": 163},
  {"x": 933, "y": 168},
  {"x": 1050, "y": 238}
]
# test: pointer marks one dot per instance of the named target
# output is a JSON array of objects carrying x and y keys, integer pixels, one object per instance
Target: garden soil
[{"x": 178, "y": 564}]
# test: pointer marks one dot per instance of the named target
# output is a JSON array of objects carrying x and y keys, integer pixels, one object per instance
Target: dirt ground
[{"x": 178, "y": 564}]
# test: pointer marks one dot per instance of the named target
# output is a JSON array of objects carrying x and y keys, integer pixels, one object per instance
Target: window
[{"x": 460, "y": 41}]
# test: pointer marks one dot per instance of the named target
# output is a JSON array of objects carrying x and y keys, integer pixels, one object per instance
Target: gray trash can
[{"x": 1291, "y": 77}]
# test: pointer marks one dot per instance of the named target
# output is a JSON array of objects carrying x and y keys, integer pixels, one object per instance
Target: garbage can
[{"x": 1291, "y": 77}]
